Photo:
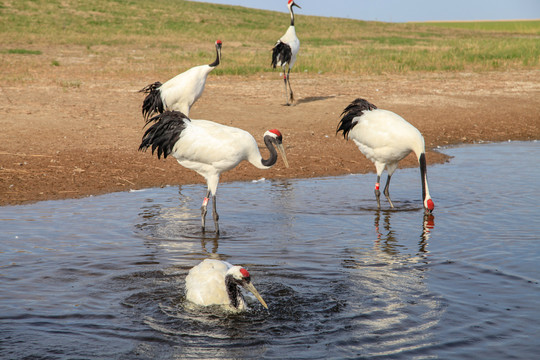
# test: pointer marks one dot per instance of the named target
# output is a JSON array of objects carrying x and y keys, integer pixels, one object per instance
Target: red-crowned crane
[
  {"x": 385, "y": 138},
  {"x": 285, "y": 51},
  {"x": 208, "y": 148},
  {"x": 180, "y": 92},
  {"x": 216, "y": 282}
]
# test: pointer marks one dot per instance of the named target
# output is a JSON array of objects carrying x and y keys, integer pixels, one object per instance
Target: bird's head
[
  {"x": 429, "y": 205},
  {"x": 276, "y": 138},
  {"x": 218, "y": 48},
  {"x": 291, "y": 3},
  {"x": 241, "y": 277}
]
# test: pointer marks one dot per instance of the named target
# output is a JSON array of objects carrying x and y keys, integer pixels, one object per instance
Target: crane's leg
[
  {"x": 387, "y": 192},
  {"x": 203, "y": 210},
  {"x": 378, "y": 192},
  {"x": 215, "y": 214},
  {"x": 285, "y": 83},
  {"x": 290, "y": 89}
]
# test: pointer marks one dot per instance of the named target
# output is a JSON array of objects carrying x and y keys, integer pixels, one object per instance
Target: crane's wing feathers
[
  {"x": 205, "y": 283},
  {"x": 281, "y": 54},
  {"x": 152, "y": 102},
  {"x": 353, "y": 110},
  {"x": 164, "y": 133}
]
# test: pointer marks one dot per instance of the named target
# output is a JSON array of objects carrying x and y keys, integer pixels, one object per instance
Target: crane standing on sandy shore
[
  {"x": 180, "y": 92},
  {"x": 285, "y": 51}
]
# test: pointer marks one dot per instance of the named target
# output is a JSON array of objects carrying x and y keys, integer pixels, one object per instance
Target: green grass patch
[
  {"x": 22, "y": 51},
  {"x": 175, "y": 35},
  {"x": 516, "y": 27}
]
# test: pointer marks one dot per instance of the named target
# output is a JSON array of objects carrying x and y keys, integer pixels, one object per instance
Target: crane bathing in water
[
  {"x": 180, "y": 92},
  {"x": 208, "y": 148},
  {"x": 385, "y": 138},
  {"x": 285, "y": 51},
  {"x": 216, "y": 282}
]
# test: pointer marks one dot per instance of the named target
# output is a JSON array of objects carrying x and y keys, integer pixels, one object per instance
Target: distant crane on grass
[
  {"x": 285, "y": 51},
  {"x": 180, "y": 92}
]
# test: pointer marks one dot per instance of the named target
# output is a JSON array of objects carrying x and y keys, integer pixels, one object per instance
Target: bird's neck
[
  {"x": 292, "y": 16},
  {"x": 423, "y": 174},
  {"x": 217, "y": 61},
  {"x": 273, "y": 153},
  {"x": 235, "y": 296}
]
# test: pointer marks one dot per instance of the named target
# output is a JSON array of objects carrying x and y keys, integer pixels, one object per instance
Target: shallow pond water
[{"x": 102, "y": 277}]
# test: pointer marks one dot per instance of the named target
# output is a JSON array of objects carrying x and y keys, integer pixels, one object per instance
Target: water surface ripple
[{"x": 102, "y": 277}]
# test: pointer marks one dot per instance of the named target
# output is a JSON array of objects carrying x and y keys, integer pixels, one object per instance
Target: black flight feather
[
  {"x": 353, "y": 110},
  {"x": 152, "y": 103},
  {"x": 164, "y": 133},
  {"x": 281, "y": 53}
]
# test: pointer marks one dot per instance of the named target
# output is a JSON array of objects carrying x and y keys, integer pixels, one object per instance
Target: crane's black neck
[
  {"x": 218, "y": 58},
  {"x": 269, "y": 142},
  {"x": 423, "y": 174},
  {"x": 292, "y": 16},
  {"x": 235, "y": 296}
]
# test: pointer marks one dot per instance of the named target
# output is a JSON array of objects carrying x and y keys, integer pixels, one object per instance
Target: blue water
[{"x": 102, "y": 277}]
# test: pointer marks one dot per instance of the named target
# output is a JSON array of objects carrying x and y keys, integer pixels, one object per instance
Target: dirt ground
[{"x": 65, "y": 140}]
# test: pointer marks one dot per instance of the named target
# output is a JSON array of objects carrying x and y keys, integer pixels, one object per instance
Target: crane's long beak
[
  {"x": 294, "y": 4},
  {"x": 249, "y": 287},
  {"x": 282, "y": 152}
]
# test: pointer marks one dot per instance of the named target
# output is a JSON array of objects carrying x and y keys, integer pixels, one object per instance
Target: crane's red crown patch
[
  {"x": 244, "y": 272},
  {"x": 275, "y": 131}
]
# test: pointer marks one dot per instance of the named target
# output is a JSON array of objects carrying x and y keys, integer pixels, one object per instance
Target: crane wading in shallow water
[
  {"x": 215, "y": 282},
  {"x": 385, "y": 138},
  {"x": 180, "y": 92},
  {"x": 208, "y": 148},
  {"x": 285, "y": 51}
]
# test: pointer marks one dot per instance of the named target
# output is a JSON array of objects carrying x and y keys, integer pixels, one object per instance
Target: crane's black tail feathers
[
  {"x": 281, "y": 54},
  {"x": 152, "y": 103},
  {"x": 353, "y": 110},
  {"x": 164, "y": 133}
]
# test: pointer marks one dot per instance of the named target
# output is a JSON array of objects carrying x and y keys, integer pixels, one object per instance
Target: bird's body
[
  {"x": 385, "y": 138},
  {"x": 285, "y": 51},
  {"x": 208, "y": 148},
  {"x": 375, "y": 135},
  {"x": 180, "y": 92},
  {"x": 215, "y": 282}
]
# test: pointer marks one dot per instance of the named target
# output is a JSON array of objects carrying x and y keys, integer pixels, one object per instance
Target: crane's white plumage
[
  {"x": 180, "y": 92},
  {"x": 208, "y": 148},
  {"x": 385, "y": 138},
  {"x": 215, "y": 282},
  {"x": 285, "y": 51}
]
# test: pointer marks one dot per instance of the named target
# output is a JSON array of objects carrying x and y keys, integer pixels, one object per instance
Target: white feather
[
  {"x": 292, "y": 40},
  {"x": 205, "y": 283},
  {"x": 385, "y": 137},
  {"x": 181, "y": 92}
]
